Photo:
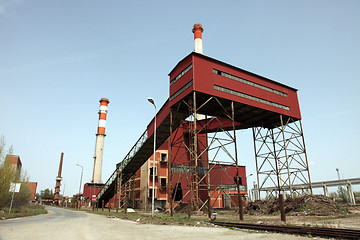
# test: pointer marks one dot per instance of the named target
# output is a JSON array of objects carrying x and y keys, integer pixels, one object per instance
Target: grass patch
[
  {"x": 159, "y": 218},
  {"x": 24, "y": 211}
]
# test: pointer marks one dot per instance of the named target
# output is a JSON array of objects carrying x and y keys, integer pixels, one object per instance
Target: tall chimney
[
  {"x": 197, "y": 30},
  {"x": 100, "y": 140},
  {"x": 58, "y": 181}
]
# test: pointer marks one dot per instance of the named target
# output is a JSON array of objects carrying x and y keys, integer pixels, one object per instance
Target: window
[
  {"x": 150, "y": 193},
  {"x": 163, "y": 157},
  {"x": 256, "y": 99},
  {"x": 181, "y": 74},
  {"x": 201, "y": 170},
  {"x": 177, "y": 93},
  {"x": 240, "y": 180},
  {"x": 152, "y": 171},
  {"x": 163, "y": 182},
  {"x": 242, "y": 80},
  {"x": 177, "y": 192},
  {"x": 177, "y": 168}
]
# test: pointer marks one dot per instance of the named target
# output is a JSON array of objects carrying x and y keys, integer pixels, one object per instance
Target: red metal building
[
  {"x": 90, "y": 192},
  {"x": 208, "y": 96},
  {"x": 260, "y": 98},
  {"x": 140, "y": 186}
]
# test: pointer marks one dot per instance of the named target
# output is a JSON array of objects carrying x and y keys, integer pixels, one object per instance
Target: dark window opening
[
  {"x": 163, "y": 182},
  {"x": 150, "y": 193},
  {"x": 152, "y": 171},
  {"x": 240, "y": 180},
  {"x": 163, "y": 157},
  {"x": 177, "y": 192}
]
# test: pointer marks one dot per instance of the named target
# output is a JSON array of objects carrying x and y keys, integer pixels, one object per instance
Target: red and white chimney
[
  {"x": 197, "y": 30},
  {"x": 100, "y": 136}
]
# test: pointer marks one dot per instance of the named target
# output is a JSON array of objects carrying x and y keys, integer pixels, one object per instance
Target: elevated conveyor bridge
[{"x": 140, "y": 152}]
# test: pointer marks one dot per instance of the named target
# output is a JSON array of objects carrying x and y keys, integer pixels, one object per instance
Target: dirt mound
[
  {"x": 183, "y": 208},
  {"x": 316, "y": 205}
]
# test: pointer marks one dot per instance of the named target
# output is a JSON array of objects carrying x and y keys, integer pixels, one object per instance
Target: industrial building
[
  {"x": 194, "y": 133},
  {"x": 140, "y": 185}
]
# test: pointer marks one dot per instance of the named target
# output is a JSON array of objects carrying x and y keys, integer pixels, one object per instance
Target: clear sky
[{"x": 58, "y": 58}]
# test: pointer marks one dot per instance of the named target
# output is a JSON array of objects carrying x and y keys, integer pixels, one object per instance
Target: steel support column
[
  {"x": 190, "y": 162},
  {"x": 281, "y": 159}
]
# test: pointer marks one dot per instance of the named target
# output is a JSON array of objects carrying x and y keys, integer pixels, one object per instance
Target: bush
[{"x": 23, "y": 211}]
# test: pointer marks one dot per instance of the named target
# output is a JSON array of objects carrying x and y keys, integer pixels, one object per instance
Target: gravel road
[{"x": 67, "y": 224}]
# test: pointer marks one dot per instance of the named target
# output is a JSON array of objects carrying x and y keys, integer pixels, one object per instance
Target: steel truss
[
  {"x": 124, "y": 192},
  {"x": 281, "y": 159},
  {"x": 197, "y": 150}
]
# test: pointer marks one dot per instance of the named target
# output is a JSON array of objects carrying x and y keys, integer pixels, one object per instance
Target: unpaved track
[{"x": 66, "y": 224}]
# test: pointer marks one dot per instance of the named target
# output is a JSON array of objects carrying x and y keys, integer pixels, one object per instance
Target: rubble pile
[{"x": 305, "y": 205}]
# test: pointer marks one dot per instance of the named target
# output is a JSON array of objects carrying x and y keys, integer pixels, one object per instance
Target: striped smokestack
[
  {"x": 100, "y": 140},
  {"x": 197, "y": 30}
]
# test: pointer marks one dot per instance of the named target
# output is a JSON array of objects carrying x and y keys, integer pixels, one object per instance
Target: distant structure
[
  {"x": 58, "y": 182},
  {"x": 32, "y": 187},
  {"x": 100, "y": 140},
  {"x": 15, "y": 163}
]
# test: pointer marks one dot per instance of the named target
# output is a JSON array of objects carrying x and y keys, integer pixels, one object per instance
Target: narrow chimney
[
  {"x": 197, "y": 30},
  {"x": 58, "y": 181},
  {"x": 100, "y": 136}
]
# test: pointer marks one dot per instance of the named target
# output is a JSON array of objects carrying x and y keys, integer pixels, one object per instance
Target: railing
[
  {"x": 332, "y": 183},
  {"x": 140, "y": 142}
]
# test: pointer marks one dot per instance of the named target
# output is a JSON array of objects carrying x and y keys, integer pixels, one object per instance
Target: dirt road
[{"x": 66, "y": 224}]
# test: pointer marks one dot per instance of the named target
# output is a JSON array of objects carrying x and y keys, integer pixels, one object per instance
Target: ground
[
  {"x": 308, "y": 211},
  {"x": 62, "y": 224},
  {"x": 349, "y": 219}
]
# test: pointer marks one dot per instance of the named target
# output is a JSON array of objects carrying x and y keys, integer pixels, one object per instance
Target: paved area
[{"x": 66, "y": 224}]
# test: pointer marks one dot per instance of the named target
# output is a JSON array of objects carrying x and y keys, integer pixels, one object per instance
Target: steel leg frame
[
  {"x": 124, "y": 190},
  {"x": 281, "y": 159},
  {"x": 194, "y": 164}
]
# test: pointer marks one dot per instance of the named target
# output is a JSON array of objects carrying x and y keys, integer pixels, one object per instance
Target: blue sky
[{"x": 58, "y": 58}]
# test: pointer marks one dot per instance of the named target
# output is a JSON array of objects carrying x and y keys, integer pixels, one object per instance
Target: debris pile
[
  {"x": 183, "y": 208},
  {"x": 316, "y": 205}
]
